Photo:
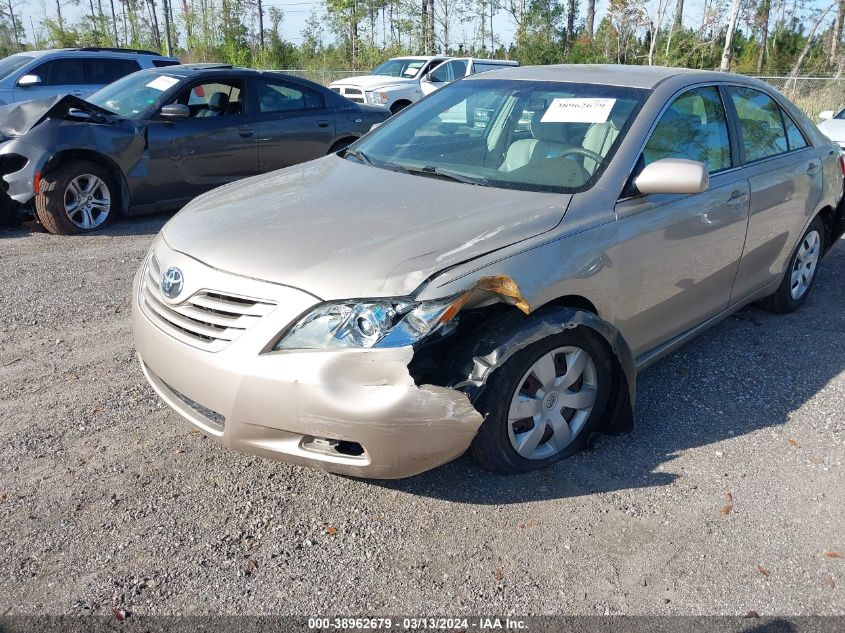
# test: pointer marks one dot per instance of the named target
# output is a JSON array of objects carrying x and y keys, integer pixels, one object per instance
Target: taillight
[{"x": 842, "y": 162}]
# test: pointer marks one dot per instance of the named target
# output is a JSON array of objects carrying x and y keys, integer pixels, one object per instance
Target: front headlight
[
  {"x": 366, "y": 324},
  {"x": 379, "y": 97}
]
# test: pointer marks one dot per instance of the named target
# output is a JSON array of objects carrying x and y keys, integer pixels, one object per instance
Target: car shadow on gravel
[
  {"x": 124, "y": 226},
  {"x": 747, "y": 374}
]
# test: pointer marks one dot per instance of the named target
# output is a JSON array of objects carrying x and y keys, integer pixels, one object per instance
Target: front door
[
  {"x": 679, "y": 253},
  {"x": 217, "y": 144}
]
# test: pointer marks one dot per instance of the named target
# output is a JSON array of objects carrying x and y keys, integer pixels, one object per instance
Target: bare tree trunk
[
  {"x": 59, "y": 16},
  {"x": 764, "y": 34},
  {"x": 168, "y": 43},
  {"x": 14, "y": 26},
  {"x": 836, "y": 36},
  {"x": 151, "y": 5},
  {"x": 727, "y": 52},
  {"x": 260, "y": 25},
  {"x": 590, "y": 20},
  {"x": 796, "y": 67},
  {"x": 678, "y": 24},
  {"x": 570, "y": 26}
]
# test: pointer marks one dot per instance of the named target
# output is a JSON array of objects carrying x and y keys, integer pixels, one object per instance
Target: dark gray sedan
[{"x": 155, "y": 139}]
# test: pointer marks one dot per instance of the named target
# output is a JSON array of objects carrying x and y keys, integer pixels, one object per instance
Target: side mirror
[
  {"x": 673, "y": 175},
  {"x": 175, "y": 111},
  {"x": 827, "y": 114},
  {"x": 29, "y": 80}
]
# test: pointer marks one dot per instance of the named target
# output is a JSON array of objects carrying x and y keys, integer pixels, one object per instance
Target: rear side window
[
  {"x": 693, "y": 127},
  {"x": 61, "y": 72},
  {"x": 104, "y": 70},
  {"x": 161, "y": 63},
  {"x": 483, "y": 67},
  {"x": 760, "y": 123},
  {"x": 281, "y": 96}
]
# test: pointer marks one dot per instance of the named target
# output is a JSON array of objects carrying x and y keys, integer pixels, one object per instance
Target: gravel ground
[{"x": 728, "y": 497}]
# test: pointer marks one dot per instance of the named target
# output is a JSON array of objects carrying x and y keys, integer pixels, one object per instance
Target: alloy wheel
[
  {"x": 87, "y": 201},
  {"x": 552, "y": 403}
]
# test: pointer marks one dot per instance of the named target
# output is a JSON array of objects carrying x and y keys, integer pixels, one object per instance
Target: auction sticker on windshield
[
  {"x": 162, "y": 82},
  {"x": 574, "y": 110}
]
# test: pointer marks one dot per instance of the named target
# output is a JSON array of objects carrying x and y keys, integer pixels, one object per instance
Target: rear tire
[
  {"x": 76, "y": 197},
  {"x": 507, "y": 443},
  {"x": 800, "y": 273}
]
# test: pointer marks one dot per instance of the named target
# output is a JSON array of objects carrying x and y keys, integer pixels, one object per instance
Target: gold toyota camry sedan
[{"x": 487, "y": 270}]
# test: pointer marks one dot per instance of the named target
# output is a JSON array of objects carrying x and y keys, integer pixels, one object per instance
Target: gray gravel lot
[{"x": 728, "y": 497}]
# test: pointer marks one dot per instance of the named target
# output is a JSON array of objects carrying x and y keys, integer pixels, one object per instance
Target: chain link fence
[
  {"x": 812, "y": 94},
  {"x": 324, "y": 76}
]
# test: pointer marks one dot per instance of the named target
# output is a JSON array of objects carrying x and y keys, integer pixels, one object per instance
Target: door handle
[
  {"x": 322, "y": 124},
  {"x": 245, "y": 132},
  {"x": 812, "y": 168},
  {"x": 737, "y": 198}
]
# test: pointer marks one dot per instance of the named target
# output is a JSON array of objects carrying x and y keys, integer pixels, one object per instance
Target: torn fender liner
[
  {"x": 19, "y": 118},
  {"x": 506, "y": 288},
  {"x": 509, "y": 336}
]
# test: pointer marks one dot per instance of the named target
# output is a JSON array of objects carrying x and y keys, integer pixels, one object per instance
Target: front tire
[
  {"x": 76, "y": 197},
  {"x": 542, "y": 404},
  {"x": 800, "y": 274}
]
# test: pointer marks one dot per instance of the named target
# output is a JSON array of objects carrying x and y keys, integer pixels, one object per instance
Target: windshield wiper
[
  {"x": 357, "y": 153},
  {"x": 445, "y": 174}
]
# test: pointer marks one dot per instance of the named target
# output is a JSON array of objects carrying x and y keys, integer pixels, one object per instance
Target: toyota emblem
[{"x": 171, "y": 282}]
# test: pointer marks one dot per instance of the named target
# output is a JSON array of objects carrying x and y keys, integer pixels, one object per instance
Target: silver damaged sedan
[{"x": 486, "y": 271}]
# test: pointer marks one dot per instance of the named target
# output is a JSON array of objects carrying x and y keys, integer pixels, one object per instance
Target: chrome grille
[
  {"x": 353, "y": 91},
  {"x": 207, "y": 319},
  {"x": 353, "y": 94}
]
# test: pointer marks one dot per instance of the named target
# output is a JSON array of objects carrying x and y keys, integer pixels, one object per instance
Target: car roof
[
  {"x": 131, "y": 52},
  {"x": 606, "y": 74}
]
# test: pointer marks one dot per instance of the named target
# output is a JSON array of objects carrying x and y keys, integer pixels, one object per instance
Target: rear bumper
[{"x": 312, "y": 408}]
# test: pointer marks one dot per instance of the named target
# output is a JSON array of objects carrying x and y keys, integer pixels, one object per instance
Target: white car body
[
  {"x": 459, "y": 67},
  {"x": 395, "y": 92},
  {"x": 833, "y": 126}
]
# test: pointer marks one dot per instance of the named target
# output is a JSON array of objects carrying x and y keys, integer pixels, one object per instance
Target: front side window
[
  {"x": 535, "y": 136},
  {"x": 450, "y": 71},
  {"x": 760, "y": 123},
  {"x": 61, "y": 72},
  {"x": 693, "y": 127},
  {"x": 281, "y": 96},
  {"x": 213, "y": 99}
]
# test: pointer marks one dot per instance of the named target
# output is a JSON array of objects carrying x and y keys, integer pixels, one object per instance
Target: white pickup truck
[{"x": 395, "y": 84}]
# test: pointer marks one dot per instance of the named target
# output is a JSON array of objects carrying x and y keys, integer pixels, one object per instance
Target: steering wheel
[{"x": 587, "y": 153}]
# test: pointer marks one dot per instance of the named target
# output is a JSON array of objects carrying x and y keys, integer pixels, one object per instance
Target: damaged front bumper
[
  {"x": 19, "y": 163},
  {"x": 353, "y": 411}
]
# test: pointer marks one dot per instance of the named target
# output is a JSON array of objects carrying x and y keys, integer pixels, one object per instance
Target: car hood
[
  {"x": 834, "y": 129},
  {"x": 19, "y": 118},
  {"x": 339, "y": 229},
  {"x": 370, "y": 82}
]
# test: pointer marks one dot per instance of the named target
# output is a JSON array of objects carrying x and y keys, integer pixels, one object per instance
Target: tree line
[{"x": 775, "y": 37}]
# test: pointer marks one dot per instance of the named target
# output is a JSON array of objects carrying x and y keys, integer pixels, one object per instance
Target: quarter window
[
  {"x": 760, "y": 123},
  {"x": 693, "y": 127}
]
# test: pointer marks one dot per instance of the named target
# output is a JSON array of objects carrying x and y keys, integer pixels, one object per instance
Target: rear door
[
  {"x": 785, "y": 174},
  {"x": 294, "y": 124},
  {"x": 216, "y": 145},
  {"x": 679, "y": 253}
]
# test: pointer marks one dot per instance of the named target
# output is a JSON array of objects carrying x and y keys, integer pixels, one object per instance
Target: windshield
[
  {"x": 536, "y": 136},
  {"x": 400, "y": 68},
  {"x": 10, "y": 64},
  {"x": 134, "y": 94}
]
